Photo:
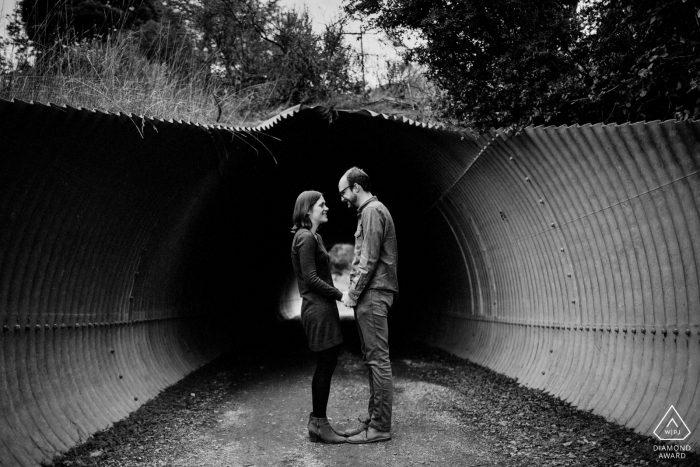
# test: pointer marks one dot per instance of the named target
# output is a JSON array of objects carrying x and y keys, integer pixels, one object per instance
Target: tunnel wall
[
  {"x": 96, "y": 214},
  {"x": 578, "y": 251},
  {"x": 563, "y": 257}
]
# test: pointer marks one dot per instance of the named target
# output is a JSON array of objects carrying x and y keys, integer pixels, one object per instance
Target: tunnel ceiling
[{"x": 133, "y": 250}]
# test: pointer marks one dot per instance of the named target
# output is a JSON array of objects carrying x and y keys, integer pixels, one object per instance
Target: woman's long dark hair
[{"x": 305, "y": 201}]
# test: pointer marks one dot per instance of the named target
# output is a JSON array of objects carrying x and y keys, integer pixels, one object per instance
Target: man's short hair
[{"x": 357, "y": 175}]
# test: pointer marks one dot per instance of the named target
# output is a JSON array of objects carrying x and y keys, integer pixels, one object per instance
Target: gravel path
[{"x": 251, "y": 410}]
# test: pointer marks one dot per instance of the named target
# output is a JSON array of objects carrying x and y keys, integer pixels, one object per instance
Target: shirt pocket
[{"x": 358, "y": 232}]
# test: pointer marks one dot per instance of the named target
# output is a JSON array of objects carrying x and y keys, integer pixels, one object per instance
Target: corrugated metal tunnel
[{"x": 133, "y": 251}]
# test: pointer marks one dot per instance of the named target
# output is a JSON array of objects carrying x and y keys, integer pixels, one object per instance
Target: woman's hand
[{"x": 348, "y": 301}]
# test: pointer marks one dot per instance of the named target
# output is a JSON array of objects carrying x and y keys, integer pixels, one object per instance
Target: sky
[
  {"x": 6, "y": 8},
  {"x": 377, "y": 50}
]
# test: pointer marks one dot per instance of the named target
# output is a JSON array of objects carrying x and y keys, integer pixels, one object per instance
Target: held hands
[{"x": 348, "y": 301}]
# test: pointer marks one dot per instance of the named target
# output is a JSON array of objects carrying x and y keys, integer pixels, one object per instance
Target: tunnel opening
[
  {"x": 244, "y": 239},
  {"x": 134, "y": 251}
]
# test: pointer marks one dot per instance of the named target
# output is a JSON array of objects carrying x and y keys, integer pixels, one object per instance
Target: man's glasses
[{"x": 343, "y": 191}]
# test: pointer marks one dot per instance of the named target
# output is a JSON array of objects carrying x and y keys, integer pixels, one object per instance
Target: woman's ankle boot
[
  {"x": 314, "y": 431},
  {"x": 321, "y": 430}
]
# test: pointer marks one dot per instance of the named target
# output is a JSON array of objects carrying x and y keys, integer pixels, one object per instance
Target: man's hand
[{"x": 348, "y": 301}]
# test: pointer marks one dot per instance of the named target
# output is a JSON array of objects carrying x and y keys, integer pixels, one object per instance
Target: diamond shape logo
[{"x": 672, "y": 427}]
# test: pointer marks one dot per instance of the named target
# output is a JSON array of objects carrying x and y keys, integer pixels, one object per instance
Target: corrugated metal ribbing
[
  {"x": 93, "y": 209},
  {"x": 586, "y": 240},
  {"x": 564, "y": 257}
]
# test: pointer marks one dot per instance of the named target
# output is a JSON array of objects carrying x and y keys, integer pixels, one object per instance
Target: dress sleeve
[{"x": 307, "y": 261}]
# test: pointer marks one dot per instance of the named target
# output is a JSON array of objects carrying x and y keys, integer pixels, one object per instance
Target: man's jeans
[{"x": 371, "y": 315}]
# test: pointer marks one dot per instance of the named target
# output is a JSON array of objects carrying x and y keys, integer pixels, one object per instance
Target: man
[{"x": 373, "y": 287}]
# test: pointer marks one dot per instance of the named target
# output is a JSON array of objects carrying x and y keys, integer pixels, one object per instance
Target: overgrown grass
[{"x": 115, "y": 76}]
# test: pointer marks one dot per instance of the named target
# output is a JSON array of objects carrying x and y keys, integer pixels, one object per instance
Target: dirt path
[{"x": 251, "y": 410}]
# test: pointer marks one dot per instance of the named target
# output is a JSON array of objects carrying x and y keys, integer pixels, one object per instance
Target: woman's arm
[{"x": 307, "y": 261}]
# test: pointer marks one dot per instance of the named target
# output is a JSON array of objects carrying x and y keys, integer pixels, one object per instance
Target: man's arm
[{"x": 373, "y": 227}]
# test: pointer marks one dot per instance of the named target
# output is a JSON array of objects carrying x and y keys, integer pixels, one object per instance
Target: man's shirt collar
[{"x": 361, "y": 208}]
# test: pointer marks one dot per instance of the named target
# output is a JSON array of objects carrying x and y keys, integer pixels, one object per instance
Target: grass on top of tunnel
[{"x": 469, "y": 404}]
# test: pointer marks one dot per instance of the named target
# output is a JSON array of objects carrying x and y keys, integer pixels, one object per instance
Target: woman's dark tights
[{"x": 326, "y": 360}]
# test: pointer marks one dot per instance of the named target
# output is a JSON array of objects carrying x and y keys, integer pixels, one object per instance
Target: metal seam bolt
[
  {"x": 675, "y": 331},
  {"x": 6, "y": 328},
  {"x": 653, "y": 330},
  {"x": 663, "y": 331},
  {"x": 687, "y": 332},
  {"x": 17, "y": 327}
]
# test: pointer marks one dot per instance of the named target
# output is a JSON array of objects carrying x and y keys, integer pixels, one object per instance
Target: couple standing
[{"x": 373, "y": 287}]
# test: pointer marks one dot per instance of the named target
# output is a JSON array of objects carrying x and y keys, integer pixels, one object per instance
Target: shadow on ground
[{"x": 250, "y": 408}]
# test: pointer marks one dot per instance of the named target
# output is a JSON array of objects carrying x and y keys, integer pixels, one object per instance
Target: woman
[{"x": 319, "y": 312}]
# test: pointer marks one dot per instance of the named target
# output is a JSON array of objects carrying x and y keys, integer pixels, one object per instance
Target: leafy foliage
[
  {"x": 644, "y": 59},
  {"x": 254, "y": 44},
  {"x": 502, "y": 63},
  {"x": 48, "y": 21},
  {"x": 254, "y": 51}
]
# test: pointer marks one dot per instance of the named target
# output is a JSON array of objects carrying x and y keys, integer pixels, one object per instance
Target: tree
[
  {"x": 168, "y": 41},
  {"x": 308, "y": 67},
  {"x": 501, "y": 63},
  {"x": 644, "y": 59},
  {"x": 497, "y": 62},
  {"x": 257, "y": 47},
  {"x": 48, "y": 22}
]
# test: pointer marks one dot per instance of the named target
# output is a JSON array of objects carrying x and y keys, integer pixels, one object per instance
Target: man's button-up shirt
[{"x": 376, "y": 253}]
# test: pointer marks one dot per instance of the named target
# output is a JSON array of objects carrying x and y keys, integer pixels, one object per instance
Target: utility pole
[{"x": 362, "y": 53}]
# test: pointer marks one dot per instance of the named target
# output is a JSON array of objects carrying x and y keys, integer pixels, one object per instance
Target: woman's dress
[{"x": 319, "y": 311}]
